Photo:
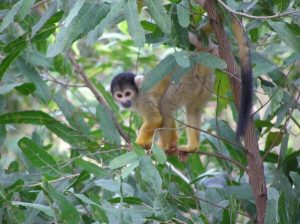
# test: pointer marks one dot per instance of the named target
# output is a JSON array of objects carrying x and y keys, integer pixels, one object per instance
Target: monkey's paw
[{"x": 187, "y": 148}]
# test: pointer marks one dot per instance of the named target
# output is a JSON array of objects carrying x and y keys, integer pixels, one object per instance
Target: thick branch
[
  {"x": 99, "y": 98},
  {"x": 255, "y": 163}
]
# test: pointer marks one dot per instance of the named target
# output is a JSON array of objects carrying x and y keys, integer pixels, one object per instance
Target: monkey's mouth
[{"x": 126, "y": 104}]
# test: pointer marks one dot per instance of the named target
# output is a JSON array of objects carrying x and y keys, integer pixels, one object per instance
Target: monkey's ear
[{"x": 138, "y": 79}]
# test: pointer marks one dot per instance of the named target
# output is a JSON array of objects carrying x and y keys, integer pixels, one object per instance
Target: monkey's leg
[
  {"x": 193, "y": 119},
  {"x": 168, "y": 134},
  {"x": 146, "y": 133}
]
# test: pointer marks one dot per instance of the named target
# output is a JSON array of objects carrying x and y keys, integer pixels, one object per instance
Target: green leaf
[
  {"x": 37, "y": 156},
  {"x": 114, "y": 15},
  {"x": 135, "y": 28},
  {"x": 67, "y": 212},
  {"x": 42, "y": 91},
  {"x": 128, "y": 200},
  {"x": 210, "y": 60},
  {"x": 5, "y": 63},
  {"x": 72, "y": 114},
  {"x": 164, "y": 68},
  {"x": 9, "y": 17},
  {"x": 162, "y": 208},
  {"x": 271, "y": 211},
  {"x": 81, "y": 24},
  {"x": 110, "y": 132},
  {"x": 25, "y": 7},
  {"x": 62, "y": 64},
  {"x": 123, "y": 160},
  {"x": 286, "y": 34},
  {"x": 222, "y": 88},
  {"x": 159, "y": 154},
  {"x": 159, "y": 14},
  {"x": 273, "y": 139},
  {"x": 183, "y": 13},
  {"x": 90, "y": 167},
  {"x": 6, "y": 88},
  {"x": 45, "y": 209},
  {"x": 40, "y": 118},
  {"x": 74, "y": 12},
  {"x": 114, "y": 186},
  {"x": 282, "y": 210},
  {"x": 150, "y": 175},
  {"x": 86, "y": 200},
  {"x": 26, "y": 88},
  {"x": 45, "y": 16},
  {"x": 182, "y": 59}
]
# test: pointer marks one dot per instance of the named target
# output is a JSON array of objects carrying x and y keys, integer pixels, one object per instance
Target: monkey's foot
[
  {"x": 187, "y": 148},
  {"x": 144, "y": 144}
]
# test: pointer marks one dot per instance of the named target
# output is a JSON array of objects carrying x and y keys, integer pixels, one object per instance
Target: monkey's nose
[{"x": 127, "y": 104}]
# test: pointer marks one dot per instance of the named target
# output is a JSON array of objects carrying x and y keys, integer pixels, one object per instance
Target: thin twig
[
  {"x": 277, "y": 15},
  {"x": 222, "y": 157},
  {"x": 99, "y": 98},
  {"x": 56, "y": 180}
]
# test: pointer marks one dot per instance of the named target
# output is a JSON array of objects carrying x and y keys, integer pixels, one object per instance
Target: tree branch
[
  {"x": 99, "y": 98},
  {"x": 255, "y": 163}
]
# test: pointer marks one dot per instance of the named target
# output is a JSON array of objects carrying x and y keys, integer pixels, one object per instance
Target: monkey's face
[
  {"x": 124, "y": 89},
  {"x": 126, "y": 97}
]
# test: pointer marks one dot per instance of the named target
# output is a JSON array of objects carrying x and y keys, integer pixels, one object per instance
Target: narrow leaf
[
  {"x": 159, "y": 14},
  {"x": 123, "y": 160},
  {"x": 80, "y": 25},
  {"x": 5, "y": 63},
  {"x": 135, "y": 28},
  {"x": 42, "y": 90},
  {"x": 45, "y": 16},
  {"x": 182, "y": 59},
  {"x": 74, "y": 11},
  {"x": 159, "y": 154},
  {"x": 40, "y": 118},
  {"x": 150, "y": 175},
  {"x": 67, "y": 211},
  {"x": 164, "y": 68},
  {"x": 9, "y": 17},
  {"x": 37, "y": 156},
  {"x": 90, "y": 167},
  {"x": 183, "y": 13},
  {"x": 25, "y": 7},
  {"x": 210, "y": 60},
  {"x": 72, "y": 114},
  {"x": 286, "y": 34},
  {"x": 45, "y": 209},
  {"x": 107, "y": 126},
  {"x": 115, "y": 14}
]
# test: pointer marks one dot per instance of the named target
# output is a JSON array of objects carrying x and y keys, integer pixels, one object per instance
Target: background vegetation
[{"x": 63, "y": 159}]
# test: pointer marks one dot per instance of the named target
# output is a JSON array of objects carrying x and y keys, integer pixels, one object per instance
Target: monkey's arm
[{"x": 150, "y": 123}]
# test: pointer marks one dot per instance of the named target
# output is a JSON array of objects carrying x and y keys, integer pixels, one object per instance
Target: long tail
[{"x": 245, "y": 106}]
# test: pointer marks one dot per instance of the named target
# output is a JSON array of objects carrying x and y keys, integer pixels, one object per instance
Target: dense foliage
[{"x": 62, "y": 157}]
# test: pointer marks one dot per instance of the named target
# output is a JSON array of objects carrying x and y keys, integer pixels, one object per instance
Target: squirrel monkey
[{"x": 192, "y": 92}]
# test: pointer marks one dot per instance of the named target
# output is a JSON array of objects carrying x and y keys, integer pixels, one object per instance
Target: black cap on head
[{"x": 122, "y": 81}]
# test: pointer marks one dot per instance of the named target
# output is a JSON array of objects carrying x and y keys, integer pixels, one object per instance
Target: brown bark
[{"x": 255, "y": 162}]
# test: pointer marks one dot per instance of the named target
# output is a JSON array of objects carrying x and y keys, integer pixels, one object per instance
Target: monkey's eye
[
  {"x": 128, "y": 93},
  {"x": 119, "y": 95}
]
